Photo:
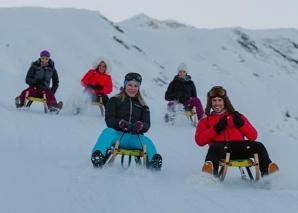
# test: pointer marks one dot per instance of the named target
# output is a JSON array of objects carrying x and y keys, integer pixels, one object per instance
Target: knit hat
[
  {"x": 45, "y": 53},
  {"x": 133, "y": 76},
  {"x": 218, "y": 91},
  {"x": 182, "y": 66}
]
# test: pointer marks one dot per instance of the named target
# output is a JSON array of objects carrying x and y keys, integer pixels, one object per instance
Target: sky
[
  {"x": 252, "y": 14},
  {"x": 45, "y": 158}
]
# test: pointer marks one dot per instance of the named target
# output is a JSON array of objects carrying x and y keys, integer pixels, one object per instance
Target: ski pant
[
  {"x": 110, "y": 136},
  {"x": 188, "y": 105},
  {"x": 38, "y": 93},
  {"x": 195, "y": 102},
  {"x": 238, "y": 150}
]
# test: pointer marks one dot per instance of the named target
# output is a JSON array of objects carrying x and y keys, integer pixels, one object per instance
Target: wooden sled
[
  {"x": 29, "y": 100},
  {"x": 136, "y": 153},
  {"x": 191, "y": 115},
  {"x": 240, "y": 163},
  {"x": 100, "y": 104}
]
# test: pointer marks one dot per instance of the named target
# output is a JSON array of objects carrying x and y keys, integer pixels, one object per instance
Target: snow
[{"x": 45, "y": 159}]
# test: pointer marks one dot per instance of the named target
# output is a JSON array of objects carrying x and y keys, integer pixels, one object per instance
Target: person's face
[
  {"x": 182, "y": 74},
  {"x": 102, "y": 67},
  {"x": 44, "y": 60},
  {"x": 132, "y": 88},
  {"x": 218, "y": 104}
]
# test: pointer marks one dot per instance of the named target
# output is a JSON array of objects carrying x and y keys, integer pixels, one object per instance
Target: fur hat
[
  {"x": 182, "y": 66},
  {"x": 97, "y": 61},
  {"x": 218, "y": 91}
]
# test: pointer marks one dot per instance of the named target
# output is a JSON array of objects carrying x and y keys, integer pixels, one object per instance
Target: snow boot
[
  {"x": 156, "y": 162},
  {"x": 98, "y": 159},
  {"x": 57, "y": 107},
  {"x": 272, "y": 168},
  {"x": 18, "y": 102},
  {"x": 208, "y": 167}
]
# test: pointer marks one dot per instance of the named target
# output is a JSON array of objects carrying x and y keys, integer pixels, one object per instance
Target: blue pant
[{"x": 110, "y": 136}]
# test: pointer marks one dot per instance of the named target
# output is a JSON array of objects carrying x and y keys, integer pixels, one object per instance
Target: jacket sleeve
[
  {"x": 193, "y": 90},
  {"x": 170, "y": 93},
  {"x": 145, "y": 119},
  {"x": 108, "y": 86},
  {"x": 110, "y": 115},
  {"x": 204, "y": 133},
  {"x": 248, "y": 129},
  {"x": 30, "y": 77},
  {"x": 85, "y": 79},
  {"x": 55, "y": 81}
]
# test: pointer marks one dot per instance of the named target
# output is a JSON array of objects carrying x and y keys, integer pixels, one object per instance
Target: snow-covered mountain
[{"x": 44, "y": 159}]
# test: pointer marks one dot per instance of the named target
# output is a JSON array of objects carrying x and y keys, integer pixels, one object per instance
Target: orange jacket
[
  {"x": 205, "y": 133},
  {"x": 94, "y": 77}
]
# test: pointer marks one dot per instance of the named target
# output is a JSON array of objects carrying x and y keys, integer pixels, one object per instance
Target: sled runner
[
  {"x": 240, "y": 163},
  {"x": 129, "y": 153},
  {"x": 29, "y": 100},
  {"x": 100, "y": 104}
]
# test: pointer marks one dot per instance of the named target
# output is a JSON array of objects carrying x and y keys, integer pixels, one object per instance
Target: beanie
[{"x": 45, "y": 53}]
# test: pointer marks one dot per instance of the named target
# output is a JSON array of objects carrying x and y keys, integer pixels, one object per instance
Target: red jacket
[
  {"x": 94, "y": 77},
  {"x": 206, "y": 134}
]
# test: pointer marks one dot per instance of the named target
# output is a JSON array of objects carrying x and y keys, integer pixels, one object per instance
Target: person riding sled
[
  {"x": 39, "y": 77},
  {"x": 128, "y": 118},
  {"x": 226, "y": 130},
  {"x": 97, "y": 81},
  {"x": 182, "y": 90}
]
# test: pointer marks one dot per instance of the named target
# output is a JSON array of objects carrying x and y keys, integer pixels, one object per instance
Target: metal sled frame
[
  {"x": 138, "y": 154},
  {"x": 240, "y": 163},
  {"x": 28, "y": 101},
  {"x": 100, "y": 104}
]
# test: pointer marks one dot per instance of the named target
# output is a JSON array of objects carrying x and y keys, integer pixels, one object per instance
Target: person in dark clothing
[
  {"x": 226, "y": 130},
  {"x": 182, "y": 90},
  {"x": 39, "y": 77},
  {"x": 128, "y": 118}
]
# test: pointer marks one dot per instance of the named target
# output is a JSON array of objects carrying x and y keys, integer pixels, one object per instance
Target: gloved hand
[
  {"x": 89, "y": 86},
  {"x": 182, "y": 99},
  {"x": 237, "y": 119},
  {"x": 137, "y": 127},
  {"x": 124, "y": 125},
  {"x": 98, "y": 87},
  {"x": 221, "y": 125}
]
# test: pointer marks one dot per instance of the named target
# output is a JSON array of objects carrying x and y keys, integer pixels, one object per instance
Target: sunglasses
[
  {"x": 133, "y": 76},
  {"x": 217, "y": 91}
]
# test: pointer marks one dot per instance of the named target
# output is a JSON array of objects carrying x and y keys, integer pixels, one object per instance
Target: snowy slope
[{"x": 45, "y": 159}]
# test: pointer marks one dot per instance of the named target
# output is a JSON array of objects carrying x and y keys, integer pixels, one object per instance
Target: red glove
[
  {"x": 124, "y": 125},
  {"x": 137, "y": 127}
]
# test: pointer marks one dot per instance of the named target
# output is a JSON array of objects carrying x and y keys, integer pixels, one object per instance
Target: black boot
[
  {"x": 98, "y": 159},
  {"x": 156, "y": 162}
]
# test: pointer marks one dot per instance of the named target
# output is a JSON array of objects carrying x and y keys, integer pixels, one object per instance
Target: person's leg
[
  {"x": 195, "y": 102},
  {"x": 107, "y": 138},
  {"x": 216, "y": 152},
  {"x": 31, "y": 91},
  {"x": 51, "y": 100}
]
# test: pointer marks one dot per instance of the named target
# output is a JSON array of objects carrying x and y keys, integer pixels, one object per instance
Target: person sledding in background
[
  {"x": 39, "y": 77},
  {"x": 226, "y": 130},
  {"x": 128, "y": 118},
  {"x": 182, "y": 90},
  {"x": 97, "y": 82}
]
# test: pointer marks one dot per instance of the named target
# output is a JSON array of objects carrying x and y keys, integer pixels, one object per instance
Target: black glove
[
  {"x": 221, "y": 125},
  {"x": 98, "y": 87},
  {"x": 237, "y": 119},
  {"x": 182, "y": 99},
  {"x": 89, "y": 86}
]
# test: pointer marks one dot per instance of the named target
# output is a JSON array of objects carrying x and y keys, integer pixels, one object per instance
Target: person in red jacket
[
  {"x": 97, "y": 82},
  {"x": 226, "y": 130}
]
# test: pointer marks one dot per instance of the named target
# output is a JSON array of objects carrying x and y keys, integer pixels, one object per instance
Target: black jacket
[
  {"x": 129, "y": 109},
  {"x": 40, "y": 76},
  {"x": 181, "y": 89}
]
